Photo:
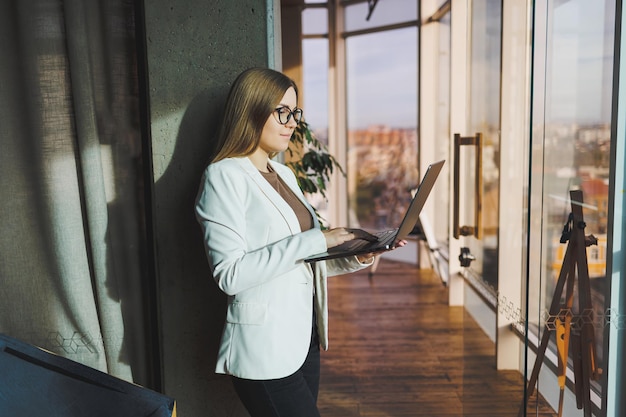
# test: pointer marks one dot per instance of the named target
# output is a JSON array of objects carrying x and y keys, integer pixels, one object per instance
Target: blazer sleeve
[{"x": 222, "y": 206}]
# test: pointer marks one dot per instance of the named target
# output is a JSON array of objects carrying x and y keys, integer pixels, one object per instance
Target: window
[
  {"x": 571, "y": 145},
  {"x": 382, "y": 126}
]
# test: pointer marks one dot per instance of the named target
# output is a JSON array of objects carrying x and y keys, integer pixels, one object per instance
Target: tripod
[{"x": 571, "y": 330}]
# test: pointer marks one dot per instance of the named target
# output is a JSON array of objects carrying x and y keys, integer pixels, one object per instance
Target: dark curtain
[{"x": 73, "y": 247}]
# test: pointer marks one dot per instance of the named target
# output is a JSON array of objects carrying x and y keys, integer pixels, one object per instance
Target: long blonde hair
[{"x": 251, "y": 100}]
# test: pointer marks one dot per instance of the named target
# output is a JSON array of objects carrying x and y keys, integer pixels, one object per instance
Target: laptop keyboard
[{"x": 385, "y": 237}]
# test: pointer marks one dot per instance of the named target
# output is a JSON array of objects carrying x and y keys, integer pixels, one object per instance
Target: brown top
[{"x": 302, "y": 213}]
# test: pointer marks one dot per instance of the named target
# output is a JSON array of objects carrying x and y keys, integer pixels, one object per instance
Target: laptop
[{"x": 385, "y": 240}]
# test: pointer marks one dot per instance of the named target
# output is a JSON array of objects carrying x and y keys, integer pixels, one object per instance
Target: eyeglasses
[{"x": 284, "y": 114}]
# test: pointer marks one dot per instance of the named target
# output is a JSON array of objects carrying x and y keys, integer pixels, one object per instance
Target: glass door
[
  {"x": 571, "y": 144},
  {"x": 477, "y": 151}
]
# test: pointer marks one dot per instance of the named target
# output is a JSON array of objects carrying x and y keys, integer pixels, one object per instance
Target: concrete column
[{"x": 195, "y": 48}]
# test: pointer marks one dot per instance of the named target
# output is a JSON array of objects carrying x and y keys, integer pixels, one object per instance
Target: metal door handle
[{"x": 475, "y": 230}]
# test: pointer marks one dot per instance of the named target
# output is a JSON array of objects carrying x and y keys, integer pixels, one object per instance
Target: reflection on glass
[
  {"x": 484, "y": 117},
  {"x": 573, "y": 105},
  {"x": 382, "y": 126}
]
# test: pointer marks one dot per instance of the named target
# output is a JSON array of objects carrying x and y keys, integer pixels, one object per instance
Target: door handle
[{"x": 476, "y": 229}]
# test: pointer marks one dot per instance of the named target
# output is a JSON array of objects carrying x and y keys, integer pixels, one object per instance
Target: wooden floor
[{"x": 397, "y": 349}]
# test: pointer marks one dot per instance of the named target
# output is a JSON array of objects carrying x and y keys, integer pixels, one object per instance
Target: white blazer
[{"x": 255, "y": 249}]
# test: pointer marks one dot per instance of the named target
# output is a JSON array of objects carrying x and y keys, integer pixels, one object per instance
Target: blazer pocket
[{"x": 246, "y": 313}]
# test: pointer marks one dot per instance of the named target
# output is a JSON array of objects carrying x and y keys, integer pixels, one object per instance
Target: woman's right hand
[{"x": 337, "y": 236}]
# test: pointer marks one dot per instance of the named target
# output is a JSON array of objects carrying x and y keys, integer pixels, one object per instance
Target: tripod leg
[
  {"x": 563, "y": 332},
  {"x": 583, "y": 398},
  {"x": 586, "y": 344},
  {"x": 545, "y": 338},
  {"x": 578, "y": 370},
  {"x": 562, "y": 354}
]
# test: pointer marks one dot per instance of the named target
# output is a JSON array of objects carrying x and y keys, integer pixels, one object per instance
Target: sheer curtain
[{"x": 73, "y": 264}]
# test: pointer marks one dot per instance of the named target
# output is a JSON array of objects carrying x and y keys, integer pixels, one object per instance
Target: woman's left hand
[{"x": 369, "y": 257}]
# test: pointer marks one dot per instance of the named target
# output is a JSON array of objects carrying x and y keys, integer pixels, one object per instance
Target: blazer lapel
[
  {"x": 293, "y": 185},
  {"x": 286, "y": 212}
]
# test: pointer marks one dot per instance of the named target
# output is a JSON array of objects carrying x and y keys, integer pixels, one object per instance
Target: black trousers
[{"x": 292, "y": 396}]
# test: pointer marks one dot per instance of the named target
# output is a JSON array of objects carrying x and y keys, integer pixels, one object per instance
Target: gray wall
[{"x": 195, "y": 49}]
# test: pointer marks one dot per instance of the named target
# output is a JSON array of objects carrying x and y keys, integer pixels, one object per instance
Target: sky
[
  {"x": 382, "y": 80},
  {"x": 382, "y": 68}
]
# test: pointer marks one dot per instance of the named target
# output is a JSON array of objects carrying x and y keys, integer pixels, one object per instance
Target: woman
[{"x": 258, "y": 228}]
